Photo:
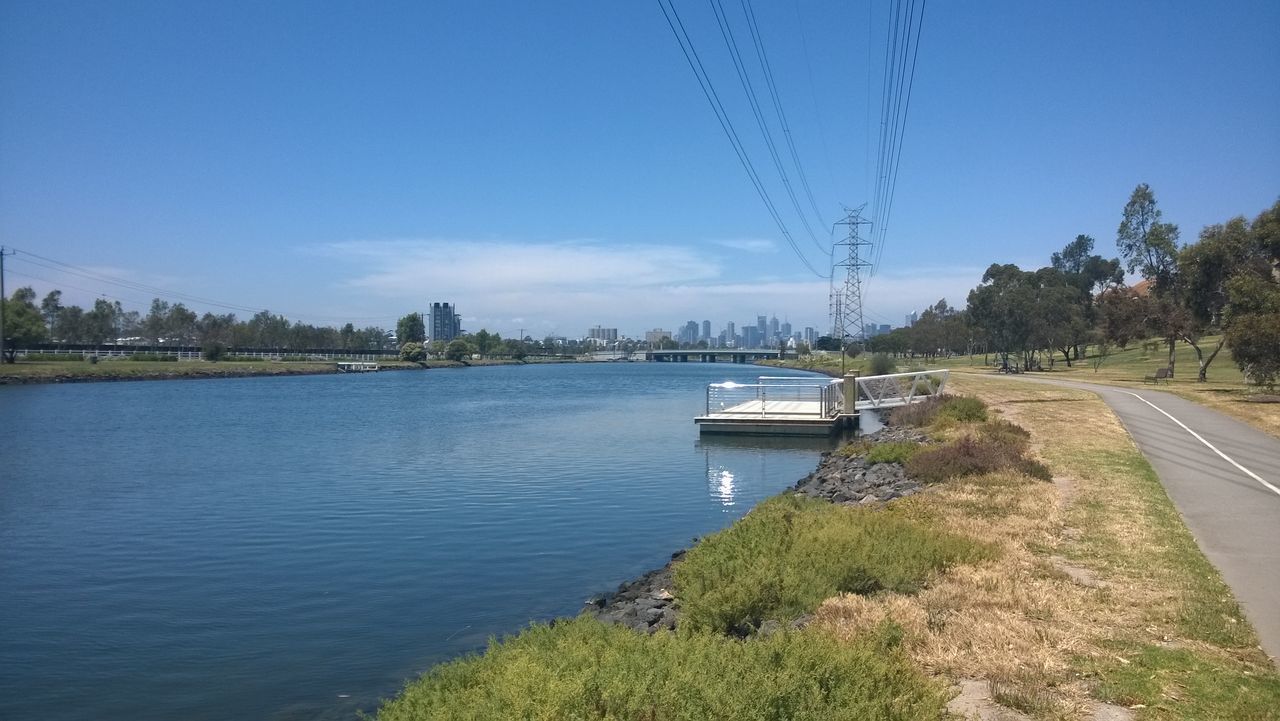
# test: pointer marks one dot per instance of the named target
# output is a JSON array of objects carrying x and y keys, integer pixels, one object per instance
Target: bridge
[
  {"x": 795, "y": 405},
  {"x": 713, "y": 355}
]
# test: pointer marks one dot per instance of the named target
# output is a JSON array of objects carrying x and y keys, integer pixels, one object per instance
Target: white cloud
[
  {"x": 567, "y": 286},
  {"x": 749, "y": 245}
]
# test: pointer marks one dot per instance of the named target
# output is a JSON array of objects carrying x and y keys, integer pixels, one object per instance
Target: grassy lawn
[
  {"x": 1099, "y": 592},
  {"x": 1225, "y": 389}
]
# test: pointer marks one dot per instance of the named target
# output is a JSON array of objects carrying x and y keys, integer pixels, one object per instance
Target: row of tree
[
  {"x": 1225, "y": 285},
  {"x": 107, "y": 322}
]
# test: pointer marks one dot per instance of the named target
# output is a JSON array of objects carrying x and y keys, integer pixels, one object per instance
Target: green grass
[
  {"x": 1172, "y": 683},
  {"x": 790, "y": 553},
  {"x": 882, "y": 452},
  {"x": 892, "y": 452},
  {"x": 586, "y": 670}
]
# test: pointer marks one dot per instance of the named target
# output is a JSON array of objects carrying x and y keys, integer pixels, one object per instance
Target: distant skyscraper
[
  {"x": 810, "y": 335},
  {"x": 774, "y": 331},
  {"x": 884, "y": 328},
  {"x": 730, "y": 335},
  {"x": 762, "y": 325},
  {"x": 784, "y": 330},
  {"x": 655, "y": 336},
  {"x": 604, "y": 334},
  {"x": 445, "y": 322},
  {"x": 706, "y": 330},
  {"x": 751, "y": 337},
  {"x": 689, "y": 333},
  {"x": 912, "y": 317}
]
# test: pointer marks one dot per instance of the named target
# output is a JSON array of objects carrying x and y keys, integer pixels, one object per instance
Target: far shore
[{"x": 33, "y": 372}]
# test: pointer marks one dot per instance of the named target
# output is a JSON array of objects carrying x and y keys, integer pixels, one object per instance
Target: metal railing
[
  {"x": 899, "y": 389},
  {"x": 803, "y": 397}
]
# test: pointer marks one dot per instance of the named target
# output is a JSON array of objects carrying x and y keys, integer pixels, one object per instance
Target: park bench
[{"x": 1161, "y": 374}]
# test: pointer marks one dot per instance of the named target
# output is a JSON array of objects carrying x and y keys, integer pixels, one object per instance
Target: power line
[
  {"x": 744, "y": 77},
  {"x": 901, "y": 55},
  {"x": 59, "y": 266},
  {"x": 726, "y": 125},
  {"x": 813, "y": 97},
  {"x": 763, "y": 56}
]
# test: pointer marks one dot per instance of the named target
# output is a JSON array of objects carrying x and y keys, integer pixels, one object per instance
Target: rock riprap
[{"x": 850, "y": 480}]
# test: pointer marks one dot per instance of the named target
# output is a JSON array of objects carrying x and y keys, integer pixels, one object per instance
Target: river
[{"x": 297, "y": 548}]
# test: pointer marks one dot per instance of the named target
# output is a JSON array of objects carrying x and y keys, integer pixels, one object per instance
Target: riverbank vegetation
[
  {"x": 1053, "y": 597},
  {"x": 584, "y": 669},
  {"x": 1098, "y": 593}
]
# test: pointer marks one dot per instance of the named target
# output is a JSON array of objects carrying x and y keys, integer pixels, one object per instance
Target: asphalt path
[{"x": 1224, "y": 477}]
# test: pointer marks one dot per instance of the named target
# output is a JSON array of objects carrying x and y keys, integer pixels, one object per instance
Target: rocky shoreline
[{"x": 647, "y": 603}]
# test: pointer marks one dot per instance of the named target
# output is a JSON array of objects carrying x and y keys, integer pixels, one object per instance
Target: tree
[
  {"x": 413, "y": 352},
  {"x": 1252, "y": 312},
  {"x": 50, "y": 307},
  {"x": 1151, "y": 246},
  {"x": 459, "y": 350},
  {"x": 100, "y": 323},
  {"x": 485, "y": 342},
  {"x": 154, "y": 324},
  {"x": 1204, "y": 270},
  {"x": 411, "y": 329},
  {"x": 1122, "y": 315},
  {"x": 826, "y": 342},
  {"x": 1000, "y": 306},
  {"x": 23, "y": 324},
  {"x": 69, "y": 325},
  {"x": 1146, "y": 244}
]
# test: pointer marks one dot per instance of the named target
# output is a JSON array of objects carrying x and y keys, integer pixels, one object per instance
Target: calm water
[{"x": 281, "y": 548}]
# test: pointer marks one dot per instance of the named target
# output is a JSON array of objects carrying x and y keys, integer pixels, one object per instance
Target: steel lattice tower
[{"x": 846, "y": 293}]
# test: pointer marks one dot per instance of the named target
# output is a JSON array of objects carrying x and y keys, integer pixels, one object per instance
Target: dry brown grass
[{"x": 1020, "y": 621}]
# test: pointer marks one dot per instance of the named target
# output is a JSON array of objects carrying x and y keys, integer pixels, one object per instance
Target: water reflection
[
  {"x": 737, "y": 464},
  {"x": 720, "y": 480}
]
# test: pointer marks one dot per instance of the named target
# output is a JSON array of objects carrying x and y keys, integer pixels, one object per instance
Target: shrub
[
  {"x": 1008, "y": 434},
  {"x": 963, "y": 409},
  {"x": 583, "y": 669},
  {"x": 214, "y": 351},
  {"x": 413, "y": 352},
  {"x": 970, "y": 457},
  {"x": 894, "y": 452},
  {"x": 919, "y": 414},
  {"x": 791, "y": 553},
  {"x": 880, "y": 364}
]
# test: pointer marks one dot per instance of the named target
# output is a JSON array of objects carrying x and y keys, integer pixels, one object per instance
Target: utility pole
[
  {"x": 846, "y": 296},
  {"x": 3, "y": 253}
]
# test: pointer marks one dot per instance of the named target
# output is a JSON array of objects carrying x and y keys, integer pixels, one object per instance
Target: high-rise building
[
  {"x": 762, "y": 325},
  {"x": 446, "y": 324},
  {"x": 689, "y": 333},
  {"x": 912, "y": 317},
  {"x": 604, "y": 334},
  {"x": 752, "y": 337},
  {"x": 706, "y": 330},
  {"x": 884, "y": 328},
  {"x": 774, "y": 331},
  {"x": 784, "y": 330},
  {"x": 655, "y": 336},
  {"x": 810, "y": 335}
]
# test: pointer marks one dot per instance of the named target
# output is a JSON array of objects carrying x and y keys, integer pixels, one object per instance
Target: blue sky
[{"x": 551, "y": 166}]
